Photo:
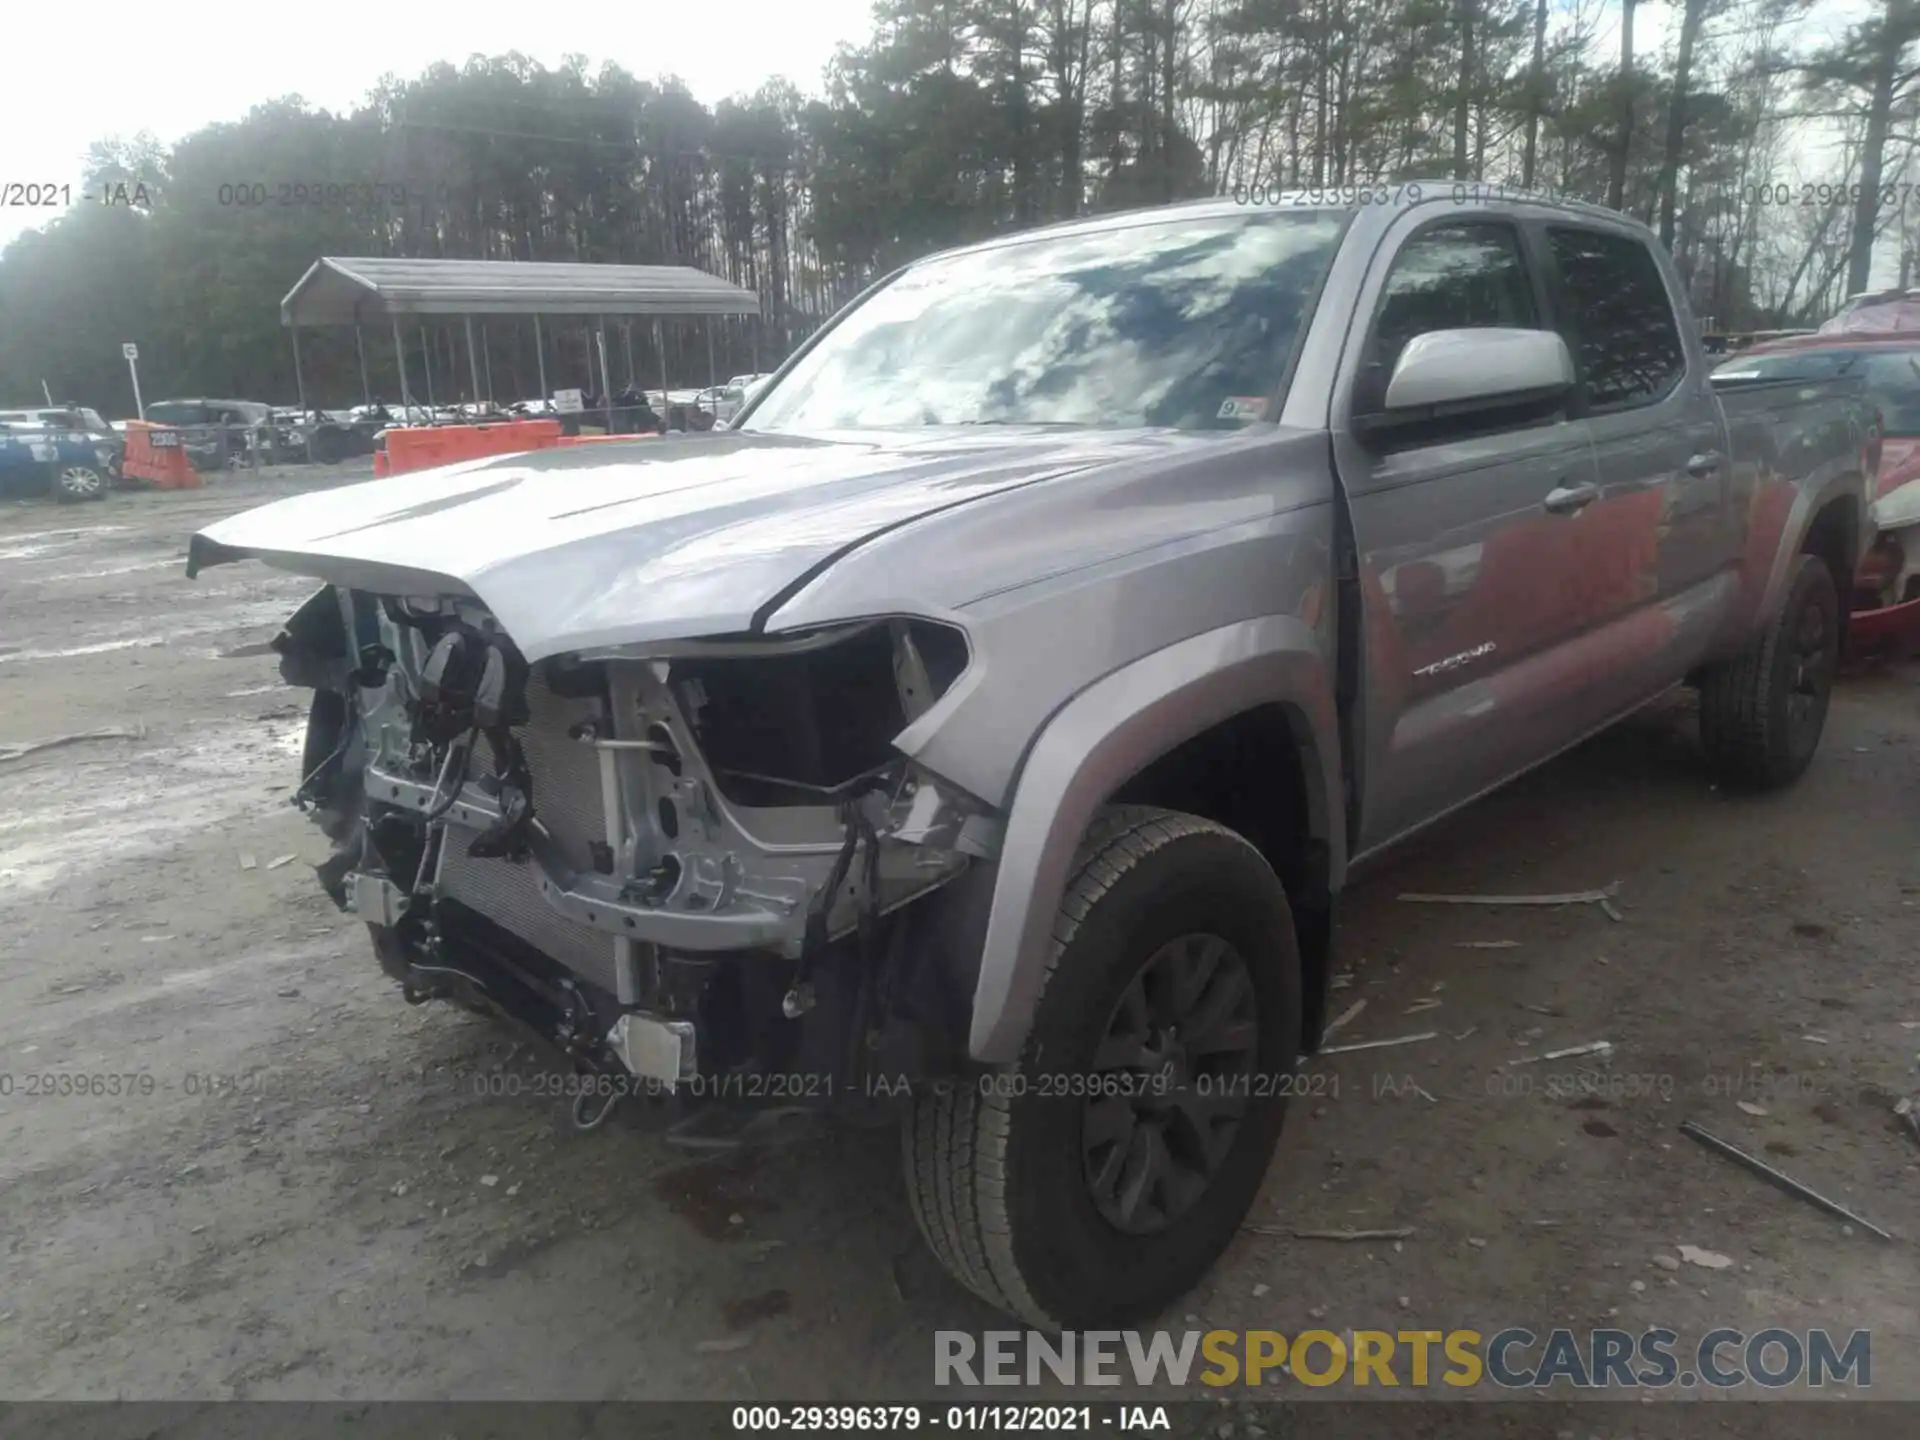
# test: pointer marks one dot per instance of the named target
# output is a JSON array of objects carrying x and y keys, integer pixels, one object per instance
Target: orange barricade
[
  {"x": 425, "y": 447},
  {"x": 601, "y": 439},
  {"x": 165, "y": 464}
]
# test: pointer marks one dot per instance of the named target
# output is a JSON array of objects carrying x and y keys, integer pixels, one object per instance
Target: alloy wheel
[
  {"x": 1812, "y": 660},
  {"x": 1170, "y": 1083},
  {"x": 80, "y": 482}
]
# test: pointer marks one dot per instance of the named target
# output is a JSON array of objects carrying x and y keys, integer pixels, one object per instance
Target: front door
[{"x": 1466, "y": 538}]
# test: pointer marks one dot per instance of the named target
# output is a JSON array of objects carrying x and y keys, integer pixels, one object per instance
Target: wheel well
[
  {"x": 1249, "y": 773},
  {"x": 1831, "y": 537}
]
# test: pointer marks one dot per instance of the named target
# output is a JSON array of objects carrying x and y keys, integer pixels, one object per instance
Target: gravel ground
[{"x": 319, "y": 1192}]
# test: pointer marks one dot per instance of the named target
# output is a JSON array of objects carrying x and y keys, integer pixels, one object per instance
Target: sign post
[
  {"x": 132, "y": 352},
  {"x": 569, "y": 402}
]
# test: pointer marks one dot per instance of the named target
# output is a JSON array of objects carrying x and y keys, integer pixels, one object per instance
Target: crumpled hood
[{"x": 664, "y": 538}]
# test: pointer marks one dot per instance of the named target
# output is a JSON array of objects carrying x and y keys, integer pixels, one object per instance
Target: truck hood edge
[{"x": 663, "y": 539}]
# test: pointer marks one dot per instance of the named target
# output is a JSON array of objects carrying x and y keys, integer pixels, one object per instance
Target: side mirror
[{"x": 1447, "y": 373}]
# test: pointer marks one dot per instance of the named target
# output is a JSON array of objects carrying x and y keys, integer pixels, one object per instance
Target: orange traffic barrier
[
  {"x": 422, "y": 448},
  {"x": 380, "y": 462},
  {"x": 601, "y": 439},
  {"x": 155, "y": 454}
]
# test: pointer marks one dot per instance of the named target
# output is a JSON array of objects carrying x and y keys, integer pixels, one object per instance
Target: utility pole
[
  {"x": 1536, "y": 88},
  {"x": 1617, "y": 175}
]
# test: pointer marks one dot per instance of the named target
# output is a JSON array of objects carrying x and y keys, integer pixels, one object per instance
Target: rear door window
[
  {"x": 1616, "y": 317},
  {"x": 176, "y": 412}
]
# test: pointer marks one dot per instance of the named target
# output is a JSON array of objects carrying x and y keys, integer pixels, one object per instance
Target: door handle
[
  {"x": 1571, "y": 499},
  {"x": 1705, "y": 464}
]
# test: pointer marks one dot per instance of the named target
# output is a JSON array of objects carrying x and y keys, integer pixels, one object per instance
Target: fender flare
[
  {"x": 1102, "y": 737},
  {"x": 1807, "y": 503}
]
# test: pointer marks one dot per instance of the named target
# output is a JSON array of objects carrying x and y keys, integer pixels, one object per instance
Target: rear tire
[
  {"x": 1011, "y": 1172},
  {"x": 1761, "y": 713},
  {"x": 73, "y": 484}
]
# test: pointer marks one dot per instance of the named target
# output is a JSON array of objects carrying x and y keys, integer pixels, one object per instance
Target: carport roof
[{"x": 351, "y": 290}]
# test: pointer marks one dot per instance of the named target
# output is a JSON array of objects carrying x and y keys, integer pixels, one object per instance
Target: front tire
[
  {"x": 1761, "y": 713},
  {"x": 1096, "y": 1179}
]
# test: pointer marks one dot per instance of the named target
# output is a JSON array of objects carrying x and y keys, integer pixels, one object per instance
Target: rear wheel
[
  {"x": 74, "y": 483},
  {"x": 1762, "y": 712},
  {"x": 1097, "y": 1179}
]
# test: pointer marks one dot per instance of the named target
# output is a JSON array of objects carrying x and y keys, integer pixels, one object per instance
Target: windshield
[
  {"x": 1892, "y": 375},
  {"x": 1184, "y": 322}
]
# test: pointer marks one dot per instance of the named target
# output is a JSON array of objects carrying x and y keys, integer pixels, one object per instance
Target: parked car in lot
[
  {"x": 110, "y": 445},
  {"x": 216, "y": 434},
  {"x": 41, "y": 459},
  {"x": 335, "y": 435},
  {"x": 1886, "y": 590},
  {"x": 381, "y": 416},
  {"x": 985, "y": 730},
  {"x": 733, "y": 396}
]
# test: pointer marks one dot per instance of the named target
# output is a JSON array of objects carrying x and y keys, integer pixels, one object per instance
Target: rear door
[
  {"x": 1462, "y": 553},
  {"x": 1662, "y": 537}
]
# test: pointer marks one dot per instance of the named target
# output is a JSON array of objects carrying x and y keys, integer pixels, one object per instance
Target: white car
[
  {"x": 397, "y": 414},
  {"x": 734, "y": 397}
]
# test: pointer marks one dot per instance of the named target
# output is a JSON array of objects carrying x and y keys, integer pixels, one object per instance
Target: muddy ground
[{"x": 312, "y": 1195}]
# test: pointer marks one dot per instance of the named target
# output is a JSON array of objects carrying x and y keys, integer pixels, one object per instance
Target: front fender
[{"x": 1101, "y": 738}]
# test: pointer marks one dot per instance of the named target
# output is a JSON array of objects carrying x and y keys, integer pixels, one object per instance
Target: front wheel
[
  {"x": 1761, "y": 713},
  {"x": 1097, "y": 1178}
]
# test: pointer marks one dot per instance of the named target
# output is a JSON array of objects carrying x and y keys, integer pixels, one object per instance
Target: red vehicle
[{"x": 1882, "y": 341}]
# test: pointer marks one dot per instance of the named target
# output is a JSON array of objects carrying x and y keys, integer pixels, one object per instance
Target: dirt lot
[{"x": 310, "y": 1196}]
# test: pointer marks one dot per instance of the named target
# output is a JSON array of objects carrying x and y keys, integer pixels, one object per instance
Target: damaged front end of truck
[{"x": 698, "y": 868}]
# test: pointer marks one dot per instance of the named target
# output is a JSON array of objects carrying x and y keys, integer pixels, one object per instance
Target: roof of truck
[{"x": 1399, "y": 194}]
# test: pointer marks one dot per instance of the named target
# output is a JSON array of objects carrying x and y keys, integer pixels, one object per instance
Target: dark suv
[{"x": 216, "y": 433}]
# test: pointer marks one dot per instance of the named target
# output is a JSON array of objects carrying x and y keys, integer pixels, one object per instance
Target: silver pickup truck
[{"x": 983, "y": 730}]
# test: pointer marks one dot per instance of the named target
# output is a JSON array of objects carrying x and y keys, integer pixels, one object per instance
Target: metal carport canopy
[{"x": 350, "y": 290}]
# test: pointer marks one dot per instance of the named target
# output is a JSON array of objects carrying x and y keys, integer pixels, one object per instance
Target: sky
[{"x": 175, "y": 68}]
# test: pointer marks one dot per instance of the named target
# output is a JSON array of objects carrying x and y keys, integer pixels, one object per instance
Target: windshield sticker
[{"x": 1243, "y": 407}]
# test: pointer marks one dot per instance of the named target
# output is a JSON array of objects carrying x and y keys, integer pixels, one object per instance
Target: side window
[
  {"x": 1618, "y": 322},
  {"x": 1465, "y": 276}
]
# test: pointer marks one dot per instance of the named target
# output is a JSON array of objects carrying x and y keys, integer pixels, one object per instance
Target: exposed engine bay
[{"x": 680, "y": 863}]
